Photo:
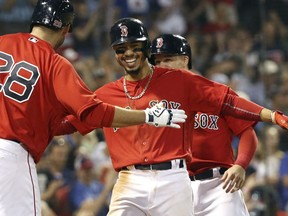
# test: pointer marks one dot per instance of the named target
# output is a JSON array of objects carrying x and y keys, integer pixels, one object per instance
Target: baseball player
[
  {"x": 214, "y": 174},
  {"x": 153, "y": 179},
  {"x": 38, "y": 88}
]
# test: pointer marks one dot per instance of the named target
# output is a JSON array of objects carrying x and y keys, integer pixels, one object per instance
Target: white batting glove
[{"x": 160, "y": 117}]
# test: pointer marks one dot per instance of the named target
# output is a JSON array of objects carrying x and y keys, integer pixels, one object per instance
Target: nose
[{"x": 128, "y": 51}]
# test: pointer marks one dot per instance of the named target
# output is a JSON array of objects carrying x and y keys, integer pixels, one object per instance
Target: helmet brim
[{"x": 128, "y": 40}]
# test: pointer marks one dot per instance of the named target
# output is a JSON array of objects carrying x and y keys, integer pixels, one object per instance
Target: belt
[
  {"x": 207, "y": 174},
  {"x": 158, "y": 166}
]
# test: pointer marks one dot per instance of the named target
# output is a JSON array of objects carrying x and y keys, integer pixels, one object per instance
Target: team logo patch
[
  {"x": 33, "y": 39},
  {"x": 57, "y": 23},
  {"x": 159, "y": 42},
  {"x": 124, "y": 31}
]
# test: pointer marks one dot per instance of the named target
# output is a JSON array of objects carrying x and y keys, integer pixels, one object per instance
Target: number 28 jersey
[{"x": 38, "y": 88}]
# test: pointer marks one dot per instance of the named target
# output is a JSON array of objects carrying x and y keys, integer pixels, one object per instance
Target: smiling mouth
[{"x": 130, "y": 62}]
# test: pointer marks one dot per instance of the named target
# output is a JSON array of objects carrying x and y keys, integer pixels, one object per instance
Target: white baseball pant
[
  {"x": 19, "y": 191},
  {"x": 210, "y": 199},
  {"x": 152, "y": 193}
]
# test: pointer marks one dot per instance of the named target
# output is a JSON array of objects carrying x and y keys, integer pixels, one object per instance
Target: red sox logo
[
  {"x": 159, "y": 42},
  {"x": 124, "y": 31}
]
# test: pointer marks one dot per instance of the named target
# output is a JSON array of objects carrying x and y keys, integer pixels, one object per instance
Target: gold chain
[{"x": 142, "y": 93}]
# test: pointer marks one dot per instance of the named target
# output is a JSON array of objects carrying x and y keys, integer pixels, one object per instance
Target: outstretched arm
[
  {"x": 248, "y": 110},
  {"x": 156, "y": 116}
]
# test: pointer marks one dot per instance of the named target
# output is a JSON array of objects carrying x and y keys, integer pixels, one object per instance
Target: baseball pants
[
  {"x": 210, "y": 199},
  {"x": 152, "y": 193},
  {"x": 19, "y": 191}
]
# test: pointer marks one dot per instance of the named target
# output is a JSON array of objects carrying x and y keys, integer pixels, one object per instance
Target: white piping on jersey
[{"x": 245, "y": 111}]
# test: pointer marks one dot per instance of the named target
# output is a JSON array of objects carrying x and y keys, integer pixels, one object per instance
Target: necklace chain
[{"x": 142, "y": 93}]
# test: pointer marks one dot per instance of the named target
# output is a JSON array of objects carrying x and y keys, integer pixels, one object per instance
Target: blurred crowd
[{"x": 241, "y": 43}]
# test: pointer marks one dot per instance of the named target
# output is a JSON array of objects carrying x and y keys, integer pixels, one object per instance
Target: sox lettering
[
  {"x": 206, "y": 121},
  {"x": 166, "y": 104}
]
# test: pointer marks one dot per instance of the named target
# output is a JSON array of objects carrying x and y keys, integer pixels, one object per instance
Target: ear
[
  {"x": 66, "y": 29},
  {"x": 186, "y": 60}
]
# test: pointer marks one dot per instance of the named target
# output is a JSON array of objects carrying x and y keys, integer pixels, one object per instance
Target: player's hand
[
  {"x": 233, "y": 178},
  {"x": 161, "y": 117},
  {"x": 280, "y": 119}
]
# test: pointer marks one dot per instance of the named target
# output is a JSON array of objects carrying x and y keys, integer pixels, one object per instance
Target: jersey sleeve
[
  {"x": 70, "y": 89},
  {"x": 205, "y": 95},
  {"x": 235, "y": 124},
  {"x": 79, "y": 125},
  {"x": 65, "y": 127},
  {"x": 247, "y": 147},
  {"x": 78, "y": 100}
]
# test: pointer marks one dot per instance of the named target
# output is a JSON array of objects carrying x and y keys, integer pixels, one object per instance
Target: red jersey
[
  {"x": 212, "y": 140},
  {"x": 38, "y": 88},
  {"x": 144, "y": 144}
]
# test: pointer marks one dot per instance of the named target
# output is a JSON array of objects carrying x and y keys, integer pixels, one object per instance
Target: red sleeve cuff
[
  {"x": 99, "y": 116},
  {"x": 108, "y": 115},
  {"x": 80, "y": 126}
]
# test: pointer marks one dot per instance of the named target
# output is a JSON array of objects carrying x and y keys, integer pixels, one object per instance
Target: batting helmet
[
  {"x": 129, "y": 30},
  {"x": 54, "y": 14},
  {"x": 171, "y": 44}
]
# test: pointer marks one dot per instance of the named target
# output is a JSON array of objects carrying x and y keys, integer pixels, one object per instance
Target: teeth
[{"x": 130, "y": 61}]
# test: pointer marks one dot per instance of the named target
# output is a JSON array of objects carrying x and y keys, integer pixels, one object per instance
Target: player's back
[
  {"x": 32, "y": 74},
  {"x": 22, "y": 92}
]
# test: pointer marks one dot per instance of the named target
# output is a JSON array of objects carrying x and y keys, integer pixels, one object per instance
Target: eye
[
  {"x": 119, "y": 51},
  {"x": 138, "y": 49}
]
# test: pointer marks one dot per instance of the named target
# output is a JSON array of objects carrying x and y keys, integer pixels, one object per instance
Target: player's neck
[
  {"x": 46, "y": 34},
  {"x": 145, "y": 71}
]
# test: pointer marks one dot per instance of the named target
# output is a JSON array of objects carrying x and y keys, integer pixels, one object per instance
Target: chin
[{"x": 133, "y": 71}]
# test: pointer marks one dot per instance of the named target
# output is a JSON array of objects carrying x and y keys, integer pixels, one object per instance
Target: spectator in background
[
  {"x": 54, "y": 177},
  {"x": 249, "y": 14},
  {"x": 270, "y": 75},
  {"x": 73, "y": 141},
  {"x": 261, "y": 199},
  {"x": 87, "y": 189},
  {"x": 97, "y": 151},
  {"x": 15, "y": 15},
  {"x": 283, "y": 189},
  {"x": 84, "y": 39},
  {"x": 140, "y": 9},
  {"x": 171, "y": 18},
  {"x": 84, "y": 28},
  {"x": 269, "y": 157},
  {"x": 271, "y": 44}
]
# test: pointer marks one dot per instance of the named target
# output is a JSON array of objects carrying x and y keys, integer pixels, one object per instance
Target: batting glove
[
  {"x": 161, "y": 117},
  {"x": 280, "y": 119}
]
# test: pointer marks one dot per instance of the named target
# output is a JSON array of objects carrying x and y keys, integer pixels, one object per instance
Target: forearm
[
  {"x": 106, "y": 115},
  {"x": 247, "y": 146},
  {"x": 241, "y": 108},
  {"x": 125, "y": 117},
  {"x": 244, "y": 109}
]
